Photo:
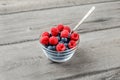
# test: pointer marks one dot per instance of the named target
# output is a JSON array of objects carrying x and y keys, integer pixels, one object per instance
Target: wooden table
[{"x": 22, "y": 21}]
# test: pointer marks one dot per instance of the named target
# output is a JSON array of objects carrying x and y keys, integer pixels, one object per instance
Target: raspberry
[
  {"x": 44, "y": 40},
  {"x": 53, "y": 40},
  {"x": 60, "y": 38},
  {"x": 64, "y": 34},
  {"x": 74, "y": 36},
  {"x": 60, "y": 47},
  {"x": 45, "y": 34},
  {"x": 60, "y": 27},
  {"x": 67, "y": 28},
  {"x": 72, "y": 44},
  {"x": 54, "y": 31}
]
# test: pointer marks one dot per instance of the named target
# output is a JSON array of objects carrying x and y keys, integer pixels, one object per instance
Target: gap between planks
[
  {"x": 90, "y": 74},
  {"x": 31, "y": 40},
  {"x": 29, "y": 25},
  {"x": 65, "y": 5},
  {"x": 26, "y": 60}
]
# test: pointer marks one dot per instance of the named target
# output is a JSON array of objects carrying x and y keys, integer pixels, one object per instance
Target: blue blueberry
[
  {"x": 64, "y": 39},
  {"x": 58, "y": 38},
  {"x": 68, "y": 40},
  {"x": 58, "y": 34},
  {"x": 66, "y": 44},
  {"x": 46, "y": 46},
  {"x": 50, "y": 47},
  {"x": 54, "y": 48},
  {"x": 67, "y": 48},
  {"x": 61, "y": 42}
]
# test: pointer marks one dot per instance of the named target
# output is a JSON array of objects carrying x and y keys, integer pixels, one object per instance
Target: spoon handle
[{"x": 81, "y": 21}]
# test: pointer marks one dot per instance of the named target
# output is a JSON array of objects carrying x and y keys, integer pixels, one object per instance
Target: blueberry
[
  {"x": 67, "y": 48},
  {"x": 54, "y": 48},
  {"x": 46, "y": 46},
  {"x": 50, "y": 47},
  {"x": 58, "y": 38},
  {"x": 64, "y": 39},
  {"x": 68, "y": 40},
  {"x": 59, "y": 34},
  {"x": 66, "y": 44},
  {"x": 61, "y": 42}
]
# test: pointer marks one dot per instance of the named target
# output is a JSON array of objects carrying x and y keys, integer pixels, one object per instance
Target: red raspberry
[
  {"x": 64, "y": 34},
  {"x": 60, "y": 27},
  {"x": 67, "y": 28},
  {"x": 45, "y": 34},
  {"x": 53, "y": 40},
  {"x": 72, "y": 44},
  {"x": 60, "y": 47},
  {"x": 54, "y": 31},
  {"x": 44, "y": 40},
  {"x": 74, "y": 36}
]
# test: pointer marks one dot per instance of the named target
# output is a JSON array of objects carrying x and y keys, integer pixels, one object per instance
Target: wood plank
[
  {"x": 13, "y": 6},
  {"x": 98, "y": 53},
  {"x": 27, "y": 26},
  {"x": 109, "y": 75}
]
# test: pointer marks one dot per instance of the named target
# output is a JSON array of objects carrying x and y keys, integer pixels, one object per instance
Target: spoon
[{"x": 82, "y": 20}]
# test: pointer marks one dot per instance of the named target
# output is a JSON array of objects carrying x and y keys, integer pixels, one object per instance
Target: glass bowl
[{"x": 62, "y": 56}]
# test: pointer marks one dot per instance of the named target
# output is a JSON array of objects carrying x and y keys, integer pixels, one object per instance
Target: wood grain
[
  {"x": 22, "y": 21},
  {"x": 109, "y": 75},
  {"x": 27, "y": 26},
  {"x": 97, "y": 55},
  {"x": 15, "y": 6}
]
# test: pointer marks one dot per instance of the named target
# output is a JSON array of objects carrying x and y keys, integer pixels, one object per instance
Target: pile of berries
[{"x": 60, "y": 38}]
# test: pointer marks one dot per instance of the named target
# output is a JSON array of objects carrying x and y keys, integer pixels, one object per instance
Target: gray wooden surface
[{"x": 21, "y": 23}]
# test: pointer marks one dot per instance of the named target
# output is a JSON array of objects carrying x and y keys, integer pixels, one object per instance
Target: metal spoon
[{"x": 81, "y": 21}]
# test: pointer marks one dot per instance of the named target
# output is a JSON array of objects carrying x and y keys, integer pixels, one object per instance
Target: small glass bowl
[{"x": 62, "y": 56}]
